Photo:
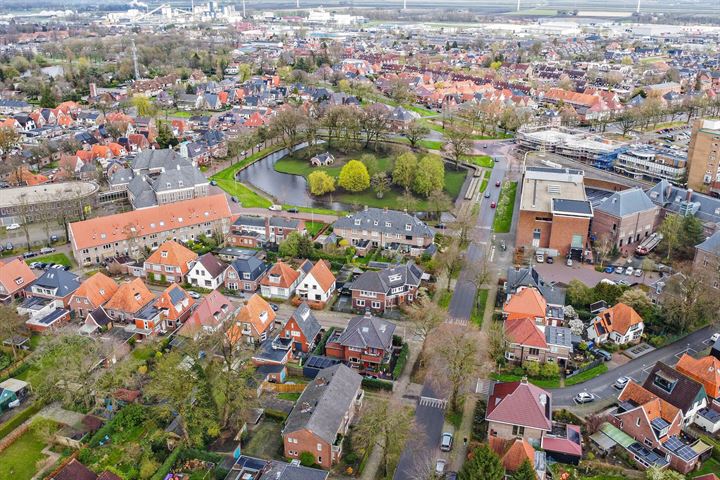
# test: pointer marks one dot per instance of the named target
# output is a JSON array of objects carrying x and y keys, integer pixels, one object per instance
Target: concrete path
[{"x": 58, "y": 414}]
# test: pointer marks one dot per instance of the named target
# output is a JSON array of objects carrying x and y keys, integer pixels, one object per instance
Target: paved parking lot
[{"x": 559, "y": 272}]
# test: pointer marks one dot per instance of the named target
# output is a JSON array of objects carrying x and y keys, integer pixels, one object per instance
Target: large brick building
[
  {"x": 554, "y": 213},
  {"x": 704, "y": 157},
  {"x": 627, "y": 217}
]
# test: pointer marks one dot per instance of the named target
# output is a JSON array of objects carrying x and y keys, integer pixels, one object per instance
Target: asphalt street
[{"x": 637, "y": 369}]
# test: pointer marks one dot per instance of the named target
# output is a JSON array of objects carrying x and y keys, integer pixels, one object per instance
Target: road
[{"x": 636, "y": 369}]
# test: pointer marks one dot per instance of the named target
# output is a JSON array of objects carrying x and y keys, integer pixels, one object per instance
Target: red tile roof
[
  {"x": 173, "y": 254},
  {"x": 15, "y": 275},
  {"x": 512, "y": 452},
  {"x": 527, "y": 302},
  {"x": 287, "y": 275},
  {"x": 520, "y": 403},
  {"x": 523, "y": 331}
]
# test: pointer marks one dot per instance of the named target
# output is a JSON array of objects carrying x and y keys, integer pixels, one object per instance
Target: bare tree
[
  {"x": 415, "y": 132},
  {"x": 425, "y": 316},
  {"x": 604, "y": 245},
  {"x": 458, "y": 145},
  {"x": 450, "y": 260},
  {"x": 456, "y": 359}
]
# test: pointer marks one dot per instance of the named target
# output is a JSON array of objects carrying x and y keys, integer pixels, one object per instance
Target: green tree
[
  {"x": 406, "y": 166},
  {"x": 354, "y": 177},
  {"x": 48, "y": 98},
  {"x": 532, "y": 368},
  {"x": 671, "y": 229},
  {"x": 459, "y": 143},
  {"x": 549, "y": 370},
  {"x": 321, "y": 183},
  {"x": 484, "y": 464},
  {"x": 165, "y": 137},
  {"x": 578, "y": 294},
  {"x": 307, "y": 459},
  {"x": 144, "y": 106},
  {"x": 289, "y": 246},
  {"x": 380, "y": 182},
  {"x": 416, "y": 131},
  {"x": 430, "y": 176},
  {"x": 525, "y": 472},
  {"x": 692, "y": 233},
  {"x": 371, "y": 163},
  {"x": 11, "y": 324}
]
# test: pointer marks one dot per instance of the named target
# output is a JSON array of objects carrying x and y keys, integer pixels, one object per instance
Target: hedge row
[
  {"x": 715, "y": 444},
  {"x": 18, "y": 419},
  {"x": 167, "y": 465},
  {"x": 401, "y": 361},
  {"x": 320, "y": 347},
  {"x": 375, "y": 384},
  {"x": 275, "y": 414}
]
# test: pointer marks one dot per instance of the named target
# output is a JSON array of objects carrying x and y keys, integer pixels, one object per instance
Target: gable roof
[
  {"x": 512, "y": 452},
  {"x": 285, "y": 273},
  {"x": 256, "y": 312},
  {"x": 653, "y": 406},
  {"x": 172, "y": 253},
  {"x": 382, "y": 281},
  {"x": 63, "y": 282},
  {"x": 625, "y": 202},
  {"x": 527, "y": 302},
  {"x": 520, "y": 403},
  {"x": 618, "y": 318},
  {"x": 684, "y": 393},
  {"x": 15, "y": 275},
  {"x": 174, "y": 302},
  {"x": 323, "y": 404},
  {"x": 386, "y": 221},
  {"x": 98, "y": 288},
  {"x": 529, "y": 277},
  {"x": 368, "y": 331},
  {"x": 210, "y": 313},
  {"x": 252, "y": 265},
  {"x": 74, "y": 470},
  {"x": 212, "y": 264},
  {"x": 322, "y": 275},
  {"x": 306, "y": 321},
  {"x": 523, "y": 331},
  {"x": 130, "y": 297},
  {"x": 705, "y": 370}
]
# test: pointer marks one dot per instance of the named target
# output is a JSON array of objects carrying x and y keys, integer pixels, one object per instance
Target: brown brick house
[
  {"x": 303, "y": 328},
  {"x": 92, "y": 293},
  {"x": 321, "y": 416},
  {"x": 519, "y": 410},
  {"x": 171, "y": 262},
  {"x": 627, "y": 217},
  {"x": 365, "y": 344},
  {"x": 386, "y": 289},
  {"x": 526, "y": 341}
]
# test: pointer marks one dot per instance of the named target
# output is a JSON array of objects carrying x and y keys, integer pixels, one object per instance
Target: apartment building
[
  {"x": 652, "y": 163},
  {"x": 704, "y": 157}
]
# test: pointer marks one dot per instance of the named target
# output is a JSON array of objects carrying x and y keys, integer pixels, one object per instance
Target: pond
[{"x": 285, "y": 188}]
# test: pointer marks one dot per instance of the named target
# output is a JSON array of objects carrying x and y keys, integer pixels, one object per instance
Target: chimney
[
  {"x": 93, "y": 90},
  {"x": 688, "y": 194}
]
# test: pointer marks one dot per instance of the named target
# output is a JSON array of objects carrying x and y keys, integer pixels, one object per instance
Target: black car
[
  {"x": 274, "y": 307},
  {"x": 292, "y": 210},
  {"x": 441, "y": 226}
]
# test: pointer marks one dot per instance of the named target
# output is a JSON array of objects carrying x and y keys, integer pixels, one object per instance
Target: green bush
[
  {"x": 401, "y": 361},
  {"x": 375, "y": 384},
  {"x": 275, "y": 414},
  {"x": 479, "y": 425},
  {"x": 18, "y": 419},
  {"x": 307, "y": 459},
  {"x": 320, "y": 347},
  {"x": 167, "y": 465}
]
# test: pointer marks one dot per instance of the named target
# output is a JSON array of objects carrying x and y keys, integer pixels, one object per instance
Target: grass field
[
  {"x": 291, "y": 396},
  {"x": 708, "y": 466},
  {"x": 247, "y": 197},
  {"x": 505, "y": 206},
  {"x": 19, "y": 459},
  {"x": 445, "y": 297},
  {"x": 479, "y": 311},
  {"x": 313, "y": 228},
  {"x": 59, "y": 258},
  {"x": 586, "y": 375},
  {"x": 319, "y": 211},
  {"x": 265, "y": 440},
  {"x": 431, "y": 144},
  {"x": 540, "y": 382},
  {"x": 484, "y": 161},
  {"x": 484, "y": 183}
]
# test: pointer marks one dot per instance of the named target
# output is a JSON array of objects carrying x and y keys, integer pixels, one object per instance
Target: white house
[
  {"x": 619, "y": 324},
  {"x": 319, "y": 283},
  {"x": 280, "y": 281},
  {"x": 207, "y": 272}
]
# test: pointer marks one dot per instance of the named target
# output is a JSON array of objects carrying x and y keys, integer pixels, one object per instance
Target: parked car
[
  {"x": 293, "y": 210},
  {"x": 58, "y": 266},
  {"x": 609, "y": 269},
  {"x": 714, "y": 338},
  {"x": 584, "y": 397},
  {"x": 619, "y": 270},
  {"x": 441, "y": 226},
  {"x": 487, "y": 195},
  {"x": 194, "y": 295},
  {"x": 446, "y": 442},
  {"x": 275, "y": 208},
  {"x": 53, "y": 238},
  {"x": 42, "y": 265},
  {"x": 440, "y": 466},
  {"x": 569, "y": 262},
  {"x": 13, "y": 226},
  {"x": 497, "y": 184},
  {"x": 34, "y": 264},
  {"x": 604, "y": 354},
  {"x": 9, "y": 246},
  {"x": 234, "y": 199},
  {"x": 624, "y": 283},
  {"x": 29, "y": 254},
  {"x": 493, "y": 205},
  {"x": 621, "y": 382},
  {"x": 274, "y": 307},
  {"x": 540, "y": 258},
  {"x": 45, "y": 250},
  {"x": 213, "y": 183},
  {"x": 550, "y": 260},
  {"x": 638, "y": 273},
  {"x": 629, "y": 270}
]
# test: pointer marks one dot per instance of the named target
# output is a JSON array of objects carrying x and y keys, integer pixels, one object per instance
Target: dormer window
[
  {"x": 164, "y": 254},
  {"x": 388, "y": 224},
  {"x": 357, "y": 221},
  {"x": 408, "y": 227},
  {"x": 19, "y": 281},
  {"x": 137, "y": 297},
  {"x": 375, "y": 223}
]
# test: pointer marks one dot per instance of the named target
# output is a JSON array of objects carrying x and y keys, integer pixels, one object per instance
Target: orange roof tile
[
  {"x": 621, "y": 317},
  {"x": 257, "y": 313},
  {"x": 112, "y": 228},
  {"x": 523, "y": 331},
  {"x": 130, "y": 297},
  {"x": 322, "y": 274},
  {"x": 99, "y": 288},
  {"x": 287, "y": 275},
  {"x": 527, "y": 302},
  {"x": 171, "y": 311},
  {"x": 14, "y": 276},
  {"x": 172, "y": 253},
  {"x": 705, "y": 370},
  {"x": 653, "y": 406}
]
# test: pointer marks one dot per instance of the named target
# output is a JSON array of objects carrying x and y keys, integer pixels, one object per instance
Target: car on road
[
  {"x": 440, "y": 466},
  {"x": 293, "y": 210},
  {"x": 487, "y": 195},
  {"x": 714, "y": 338},
  {"x": 9, "y": 246},
  {"x": 569, "y": 262},
  {"x": 621, "y": 382},
  {"x": 213, "y": 183},
  {"x": 441, "y": 226},
  {"x": 194, "y": 295},
  {"x": 629, "y": 270},
  {"x": 497, "y": 183},
  {"x": 609, "y": 269},
  {"x": 624, "y": 283},
  {"x": 46, "y": 250},
  {"x": 619, "y": 270},
  {"x": 495, "y": 159},
  {"x": 53, "y": 238},
  {"x": 638, "y": 272},
  {"x": 274, "y": 307},
  {"x": 12, "y": 226},
  {"x": 584, "y": 397},
  {"x": 34, "y": 264},
  {"x": 446, "y": 442},
  {"x": 275, "y": 208},
  {"x": 493, "y": 205},
  {"x": 29, "y": 254},
  {"x": 234, "y": 199},
  {"x": 484, "y": 145}
]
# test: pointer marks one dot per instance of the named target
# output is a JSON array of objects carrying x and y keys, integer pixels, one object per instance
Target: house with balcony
[
  {"x": 386, "y": 289},
  {"x": 320, "y": 419},
  {"x": 366, "y": 344},
  {"x": 244, "y": 274},
  {"x": 619, "y": 324},
  {"x": 253, "y": 322},
  {"x": 318, "y": 284},
  {"x": 281, "y": 281},
  {"x": 302, "y": 328},
  {"x": 170, "y": 263}
]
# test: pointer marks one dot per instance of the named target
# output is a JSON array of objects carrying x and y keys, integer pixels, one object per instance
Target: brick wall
[
  {"x": 563, "y": 229},
  {"x": 308, "y": 442}
]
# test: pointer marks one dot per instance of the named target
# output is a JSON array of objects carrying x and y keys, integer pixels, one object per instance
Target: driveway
[{"x": 637, "y": 369}]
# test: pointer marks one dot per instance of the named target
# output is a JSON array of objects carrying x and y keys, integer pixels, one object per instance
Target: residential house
[
  {"x": 318, "y": 285},
  {"x": 250, "y": 468},
  {"x": 386, "y": 289},
  {"x": 302, "y": 328},
  {"x": 244, "y": 274},
  {"x": 280, "y": 227},
  {"x": 322, "y": 160},
  {"x": 704, "y": 370},
  {"x": 55, "y": 284},
  {"x": 528, "y": 302},
  {"x": 74, "y": 470},
  {"x": 529, "y": 277},
  {"x": 280, "y": 281},
  {"x": 388, "y": 229},
  {"x": 625, "y": 217},
  {"x": 96, "y": 320},
  {"x": 248, "y": 231},
  {"x": 128, "y": 300},
  {"x": 171, "y": 262},
  {"x": 208, "y": 317},
  {"x": 677, "y": 389},
  {"x": 320, "y": 419},
  {"x": 253, "y": 322},
  {"x": 656, "y": 426},
  {"x": 519, "y": 410},
  {"x": 128, "y": 233},
  {"x": 366, "y": 343},
  {"x": 707, "y": 257},
  {"x": 175, "y": 306},
  {"x": 527, "y": 341},
  {"x": 620, "y": 324},
  {"x": 15, "y": 277},
  {"x": 92, "y": 294},
  {"x": 514, "y": 452},
  {"x": 207, "y": 272}
]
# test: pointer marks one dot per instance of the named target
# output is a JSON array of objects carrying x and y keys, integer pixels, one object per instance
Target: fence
[
  {"x": 284, "y": 387},
  {"x": 593, "y": 364}
]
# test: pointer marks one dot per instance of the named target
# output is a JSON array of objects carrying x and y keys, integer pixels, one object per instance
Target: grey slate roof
[
  {"x": 711, "y": 244},
  {"x": 625, "y": 202},
  {"x": 249, "y": 220},
  {"x": 383, "y": 280},
  {"x": 323, "y": 404},
  {"x": 55, "y": 278},
  {"x": 672, "y": 198},
  {"x": 385, "y": 221},
  {"x": 306, "y": 320},
  {"x": 284, "y": 222},
  {"x": 258, "y": 469},
  {"x": 121, "y": 177},
  {"x": 580, "y": 207},
  {"x": 155, "y": 159},
  {"x": 529, "y": 277},
  {"x": 685, "y": 392},
  {"x": 368, "y": 331},
  {"x": 253, "y": 265}
]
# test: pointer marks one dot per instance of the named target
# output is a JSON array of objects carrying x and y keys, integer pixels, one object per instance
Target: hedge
[
  {"x": 320, "y": 347},
  {"x": 167, "y": 465},
  {"x": 375, "y": 384},
  {"x": 401, "y": 361},
  {"x": 275, "y": 414},
  {"x": 18, "y": 419},
  {"x": 715, "y": 444},
  {"x": 22, "y": 368}
]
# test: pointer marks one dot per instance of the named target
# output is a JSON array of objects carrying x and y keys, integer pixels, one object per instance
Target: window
[
  {"x": 518, "y": 430},
  {"x": 533, "y": 351},
  {"x": 319, "y": 447},
  {"x": 408, "y": 227},
  {"x": 637, "y": 422},
  {"x": 375, "y": 304},
  {"x": 164, "y": 254},
  {"x": 360, "y": 303}
]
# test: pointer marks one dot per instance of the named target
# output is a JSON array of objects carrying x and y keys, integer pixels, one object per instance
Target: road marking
[
  {"x": 646, "y": 370},
  {"x": 707, "y": 342},
  {"x": 492, "y": 253},
  {"x": 687, "y": 350},
  {"x": 433, "y": 402}
]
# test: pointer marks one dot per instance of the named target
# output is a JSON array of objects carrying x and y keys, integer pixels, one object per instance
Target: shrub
[
  {"x": 320, "y": 347},
  {"x": 275, "y": 414},
  {"x": 167, "y": 465},
  {"x": 401, "y": 361},
  {"x": 479, "y": 426},
  {"x": 375, "y": 384},
  {"x": 307, "y": 459}
]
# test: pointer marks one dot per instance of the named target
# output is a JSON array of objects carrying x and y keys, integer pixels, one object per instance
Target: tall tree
[
  {"x": 11, "y": 324},
  {"x": 8, "y": 139},
  {"x": 386, "y": 425},
  {"x": 456, "y": 351},
  {"x": 380, "y": 183},
  {"x": 450, "y": 260},
  {"x": 321, "y": 183},
  {"x": 374, "y": 123},
  {"x": 671, "y": 229},
  {"x": 405, "y": 169},
  {"x": 526, "y": 470},
  {"x": 354, "y": 177},
  {"x": 458, "y": 143},
  {"x": 430, "y": 176},
  {"x": 484, "y": 464},
  {"x": 415, "y": 132}
]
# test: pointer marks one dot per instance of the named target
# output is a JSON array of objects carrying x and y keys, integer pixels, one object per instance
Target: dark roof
[
  {"x": 684, "y": 393},
  {"x": 100, "y": 316},
  {"x": 386, "y": 221},
  {"x": 75, "y": 470},
  {"x": 368, "y": 331},
  {"x": 306, "y": 320},
  {"x": 384, "y": 280},
  {"x": 625, "y": 202},
  {"x": 529, "y": 277},
  {"x": 211, "y": 263},
  {"x": 577, "y": 207},
  {"x": 323, "y": 404},
  {"x": 253, "y": 265},
  {"x": 257, "y": 469},
  {"x": 249, "y": 220},
  {"x": 57, "y": 279}
]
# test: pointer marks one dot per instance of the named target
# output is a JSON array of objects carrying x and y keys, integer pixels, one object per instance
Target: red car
[
  {"x": 493, "y": 205},
  {"x": 497, "y": 184}
]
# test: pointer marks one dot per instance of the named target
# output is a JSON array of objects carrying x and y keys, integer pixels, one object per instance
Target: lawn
[
  {"x": 265, "y": 441},
  {"x": 59, "y": 258},
  {"x": 484, "y": 161},
  {"x": 313, "y": 228},
  {"x": 479, "y": 311},
  {"x": 431, "y": 144},
  {"x": 19, "y": 459},
  {"x": 708, "y": 466},
  {"x": 540, "y": 382},
  {"x": 319, "y": 211},
  {"x": 445, "y": 297},
  {"x": 505, "y": 206},
  {"x": 484, "y": 183},
  {"x": 291, "y": 396},
  {"x": 439, "y": 128},
  {"x": 586, "y": 375}
]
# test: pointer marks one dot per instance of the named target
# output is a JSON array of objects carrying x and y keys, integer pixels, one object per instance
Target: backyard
[
  {"x": 19, "y": 461},
  {"x": 265, "y": 440}
]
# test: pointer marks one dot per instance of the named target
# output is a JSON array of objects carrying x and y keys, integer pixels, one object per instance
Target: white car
[
  {"x": 569, "y": 262},
  {"x": 275, "y": 208},
  {"x": 715, "y": 337},
  {"x": 629, "y": 270},
  {"x": 12, "y": 226},
  {"x": 540, "y": 258},
  {"x": 638, "y": 273},
  {"x": 440, "y": 466},
  {"x": 621, "y": 382},
  {"x": 584, "y": 397},
  {"x": 194, "y": 295}
]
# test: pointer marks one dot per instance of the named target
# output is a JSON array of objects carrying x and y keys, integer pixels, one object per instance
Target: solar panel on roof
[
  {"x": 574, "y": 436},
  {"x": 660, "y": 423},
  {"x": 686, "y": 453}
]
